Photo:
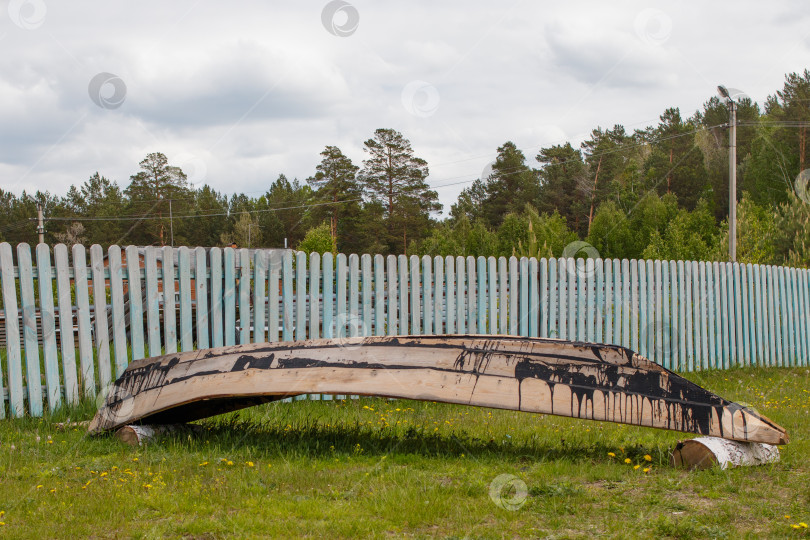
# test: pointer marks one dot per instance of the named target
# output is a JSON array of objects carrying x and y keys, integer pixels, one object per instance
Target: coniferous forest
[{"x": 658, "y": 193}]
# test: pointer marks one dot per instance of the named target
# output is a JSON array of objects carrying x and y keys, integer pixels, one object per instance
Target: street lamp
[{"x": 732, "y": 173}]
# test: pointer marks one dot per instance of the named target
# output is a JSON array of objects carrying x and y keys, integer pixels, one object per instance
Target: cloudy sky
[{"x": 237, "y": 93}]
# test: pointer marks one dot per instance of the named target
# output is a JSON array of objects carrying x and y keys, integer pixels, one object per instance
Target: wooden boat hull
[{"x": 580, "y": 380}]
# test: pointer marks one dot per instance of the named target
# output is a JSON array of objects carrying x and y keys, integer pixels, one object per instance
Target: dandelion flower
[
  {"x": 203, "y": 464},
  {"x": 803, "y": 525},
  {"x": 647, "y": 457},
  {"x": 39, "y": 486},
  {"x": 230, "y": 462},
  {"x": 787, "y": 516},
  {"x": 611, "y": 454},
  {"x": 147, "y": 486},
  {"x": 635, "y": 468},
  {"x": 269, "y": 465},
  {"x": 134, "y": 459},
  {"x": 627, "y": 460},
  {"x": 102, "y": 475},
  {"x": 249, "y": 463},
  {"x": 646, "y": 469}
]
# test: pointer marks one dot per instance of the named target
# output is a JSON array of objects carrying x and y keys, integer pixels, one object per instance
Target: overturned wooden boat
[{"x": 580, "y": 380}]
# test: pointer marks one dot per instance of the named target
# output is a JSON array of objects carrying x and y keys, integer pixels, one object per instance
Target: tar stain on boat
[{"x": 689, "y": 407}]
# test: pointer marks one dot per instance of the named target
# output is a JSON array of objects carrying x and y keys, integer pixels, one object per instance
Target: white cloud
[{"x": 253, "y": 90}]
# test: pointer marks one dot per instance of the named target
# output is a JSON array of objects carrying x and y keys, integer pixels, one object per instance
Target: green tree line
[{"x": 660, "y": 192}]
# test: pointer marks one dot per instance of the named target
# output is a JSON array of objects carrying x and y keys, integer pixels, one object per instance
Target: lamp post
[{"x": 732, "y": 173}]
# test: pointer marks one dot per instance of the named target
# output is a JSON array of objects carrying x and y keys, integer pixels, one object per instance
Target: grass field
[{"x": 374, "y": 467}]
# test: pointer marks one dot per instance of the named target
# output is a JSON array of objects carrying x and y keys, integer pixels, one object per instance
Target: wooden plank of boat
[{"x": 548, "y": 376}]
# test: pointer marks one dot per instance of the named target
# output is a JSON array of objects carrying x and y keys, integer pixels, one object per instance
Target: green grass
[{"x": 374, "y": 467}]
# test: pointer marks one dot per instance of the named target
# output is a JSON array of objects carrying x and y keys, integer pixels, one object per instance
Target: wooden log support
[
  {"x": 547, "y": 376},
  {"x": 136, "y": 435},
  {"x": 706, "y": 452}
]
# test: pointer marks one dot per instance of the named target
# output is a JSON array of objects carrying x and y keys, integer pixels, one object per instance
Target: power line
[{"x": 191, "y": 216}]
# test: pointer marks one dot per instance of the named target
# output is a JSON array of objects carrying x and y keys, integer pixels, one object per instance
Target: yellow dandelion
[
  {"x": 50, "y": 441},
  {"x": 611, "y": 454},
  {"x": 628, "y": 460},
  {"x": 635, "y": 468},
  {"x": 269, "y": 465},
  {"x": 147, "y": 486},
  {"x": 249, "y": 463},
  {"x": 646, "y": 469},
  {"x": 787, "y": 516},
  {"x": 39, "y": 486},
  {"x": 803, "y": 525},
  {"x": 203, "y": 464},
  {"x": 230, "y": 463},
  {"x": 647, "y": 457},
  {"x": 102, "y": 475},
  {"x": 53, "y": 490},
  {"x": 795, "y": 526},
  {"x": 134, "y": 459}
]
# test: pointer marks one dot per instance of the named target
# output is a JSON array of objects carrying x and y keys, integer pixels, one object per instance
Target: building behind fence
[{"x": 684, "y": 315}]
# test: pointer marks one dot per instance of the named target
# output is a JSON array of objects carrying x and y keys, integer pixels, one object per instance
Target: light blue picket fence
[{"x": 685, "y": 315}]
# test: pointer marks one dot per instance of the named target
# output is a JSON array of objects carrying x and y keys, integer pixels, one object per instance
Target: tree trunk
[
  {"x": 593, "y": 195},
  {"x": 669, "y": 174}
]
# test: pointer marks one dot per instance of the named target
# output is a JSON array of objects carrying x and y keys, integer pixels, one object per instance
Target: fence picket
[
  {"x": 562, "y": 300},
  {"x": 702, "y": 313},
  {"x": 48, "y": 325},
  {"x": 288, "y": 323},
  {"x": 402, "y": 267},
  {"x": 86, "y": 365},
  {"x": 259, "y": 296},
  {"x": 427, "y": 301},
  {"x": 217, "y": 299},
  {"x": 102, "y": 336},
  {"x": 533, "y": 299},
  {"x": 590, "y": 292},
  {"x": 366, "y": 290},
  {"x": 379, "y": 295},
  {"x": 314, "y": 296},
  {"x": 450, "y": 294},
  {"x": 328, "y": 295},
  {"x": 472, "y": 304},
  {"x": 640, "y": 331},
  {"x": 492, "y": 296},
  {"x": 201, "y": 292},
  {"x": 66, "y": 335},
  {"x": 439, "y": 300},
  {"x": 184, "y": 290},
  {"x": 543, "y": 285},
  {"x": 152, "y": 301},
  {"x": 229, "y": 295},
  {"x": 13, "y": 352},
  {"x": 503, "y": 296},
  {"x": 243, "y": 275},
  {"x": 135, "y": 301},
  {"x": 301, "y": 296},
  {"x": 481, "y": 293},
  {"x": 393, "y": 320},
  {"x": 29, "y": 322},
  {"x": 738, "y": 317},
  {"x": 169, "y": 305},
  {"x": 713, "y": 311},
  {"x": 416, "y": 307},
  {"x": 579, "y": 265},
  {"x": 119, "y": 323}
]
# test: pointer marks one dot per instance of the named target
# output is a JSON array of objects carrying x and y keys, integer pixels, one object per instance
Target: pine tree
[
  {"x": 395, "y": 177},
  {"x": 336, "y": 185}
]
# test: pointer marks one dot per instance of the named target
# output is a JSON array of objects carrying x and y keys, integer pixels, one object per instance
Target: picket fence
[{"x": 684, "y": 315}]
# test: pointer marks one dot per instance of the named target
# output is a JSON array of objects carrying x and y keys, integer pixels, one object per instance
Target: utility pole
[
  {"x": 732, "y": 173},
  {"x": 40, "y": 224},
  {"x": 171, "y": 222}
]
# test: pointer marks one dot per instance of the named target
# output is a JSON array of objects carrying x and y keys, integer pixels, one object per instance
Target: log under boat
[{"x": 548, "y": 376}]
